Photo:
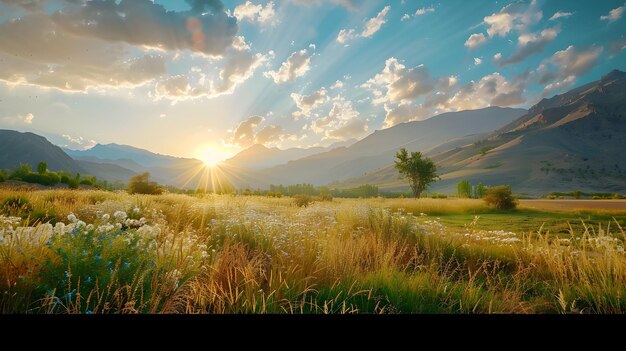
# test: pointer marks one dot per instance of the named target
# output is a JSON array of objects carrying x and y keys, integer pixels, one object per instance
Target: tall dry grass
[{"x": 228, "y": 254}]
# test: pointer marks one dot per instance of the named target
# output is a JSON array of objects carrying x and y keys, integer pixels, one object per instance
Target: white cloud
[
  {"x": 77, "y": 143},
  {"x": 397, "y": 83},
  {"x": 424, "y": 10},
  {"x": 348, "y": 130},
  {"x": 516, "y": 16},
  {"x": 338, "y": 85},
  {"x": 307, "y": 103},
  {"x": 477, "y": 61},
  {"x": 247, "y": 133},
  {"x": 491, "y": 90},
  {"x": 297, "y": 65},
  {"x": 256, "y": 13},
  {"x": 18, "y": 119},
  {"x": 562, "y": 69},
  {"x": 25, "y": 5},
  {"x": 614, "y": 14},
  {"x": 560, "y": 14},
  {"x": 475, "y": 40},
  {"x": 405, "y": 17},
  {"x": 370, "y": 28},
  {"x": 530, "y": 44}
]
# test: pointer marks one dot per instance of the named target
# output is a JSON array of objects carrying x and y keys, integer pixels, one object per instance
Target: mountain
[
  {"x": 116, "y": 152},
  {"x": 259, "y": 156},
  {"x": 16, "y": 148},
  {"x": 571, "y": 141},
  {"x": 376, "y": 150}
]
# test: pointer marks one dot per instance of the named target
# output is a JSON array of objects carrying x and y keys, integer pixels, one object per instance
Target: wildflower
[
  {"x": 118, "y": 225},
  {"x": 106, "y": 217},
  {"x": 136, "y": 210},
  {"x": 90, "y": 227},
  {"x": 120, "y": 215},
  {"x": 81, "y": 224},
  {"x": 72, "y": 218},
  {"x": 59, "y": 228}
]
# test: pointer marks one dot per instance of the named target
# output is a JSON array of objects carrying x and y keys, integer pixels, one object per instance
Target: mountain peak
[{"x": 614, "y": 75}]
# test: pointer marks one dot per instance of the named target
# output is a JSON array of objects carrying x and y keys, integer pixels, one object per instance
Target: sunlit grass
[{"x": 244, "y": 254}]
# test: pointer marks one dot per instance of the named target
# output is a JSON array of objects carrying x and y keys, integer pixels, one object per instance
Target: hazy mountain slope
[
  {"x": 377, "y": 149},
  {"x": 572, "y": 141},
  {"x": 124, "y": 152},
  {"x": 106, "y": 171},
  {"x": 259, "y": 156},
  {"x": 16, "y": 148}
]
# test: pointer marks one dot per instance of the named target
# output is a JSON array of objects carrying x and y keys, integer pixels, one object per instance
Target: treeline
[
  {"x": 364, "y": 191},
  {"x": 43, "y": 176},
  {"x": 577, "y": 194}
]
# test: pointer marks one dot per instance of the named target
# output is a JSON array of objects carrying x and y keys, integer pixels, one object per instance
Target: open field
[
  {"x": 575, "y": 205},
  {"x": 101, "y": 252}
]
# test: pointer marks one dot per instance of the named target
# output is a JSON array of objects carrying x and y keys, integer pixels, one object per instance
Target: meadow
[{"x": 79, "y": 251}]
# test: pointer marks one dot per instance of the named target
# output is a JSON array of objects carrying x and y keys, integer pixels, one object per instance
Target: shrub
[
  {"x": 3, "y": 176},
  {"x": 23, "y": 170},
  {"x": 141, "y": 184},
  {"x": 438, "y": 196},
  {"x": 302, "y": 200},
  {"x": 325, "y": 197},
  {"x": 464, "y": 188},
  {"x": 501, "y": 197}
]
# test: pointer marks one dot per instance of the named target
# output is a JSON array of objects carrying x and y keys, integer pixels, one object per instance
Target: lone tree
[
  {"x": 501, "y": 197},
  {"x": 419, "y": 170},
  {"x": 141, "y": 184}
]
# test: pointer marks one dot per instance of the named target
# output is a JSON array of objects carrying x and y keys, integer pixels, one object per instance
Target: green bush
[
  {"x": 438, "y": 196},
  {"x": 3, "y": 176},
  {"x": 302, "y": 200},
  {"x": 501, "y": 197},
  {"x": 23, "y": 170},
  {"x": 141, "y": 184}
]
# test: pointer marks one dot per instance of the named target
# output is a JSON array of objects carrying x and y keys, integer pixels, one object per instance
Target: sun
[{"x": 210, "y": 157}]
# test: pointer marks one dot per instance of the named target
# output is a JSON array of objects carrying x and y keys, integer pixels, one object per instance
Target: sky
[{"x": 208, "y": 78}]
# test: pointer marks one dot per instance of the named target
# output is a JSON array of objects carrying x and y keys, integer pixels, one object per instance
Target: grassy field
[{"x": 101, "y": 252}]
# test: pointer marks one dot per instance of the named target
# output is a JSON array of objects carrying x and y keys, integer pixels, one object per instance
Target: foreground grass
[{"x": 99, "y": 252}]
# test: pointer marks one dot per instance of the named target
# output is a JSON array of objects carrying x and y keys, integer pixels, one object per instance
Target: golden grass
[{"x": 235, "y": 254}]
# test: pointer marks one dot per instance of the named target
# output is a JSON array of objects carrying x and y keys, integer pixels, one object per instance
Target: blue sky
[{"x": 211, "y": 81}]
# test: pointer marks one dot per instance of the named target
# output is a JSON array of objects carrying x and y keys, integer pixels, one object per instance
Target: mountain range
[{"x": 571, "y": 141}]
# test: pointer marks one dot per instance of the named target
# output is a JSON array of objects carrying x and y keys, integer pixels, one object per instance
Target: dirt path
[{"x": 612, "y": 205}]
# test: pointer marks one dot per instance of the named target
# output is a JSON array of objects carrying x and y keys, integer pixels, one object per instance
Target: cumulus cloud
[
  {"x": 46, "y": 56},
  {"x": 103, "y": 44},
  {"x": 530, "y": 44},
  {"x": 337, "y": 85},
  {"x": 239, "y": 64},
  {"x": 562, "y": 69},
  {"x": 206, "y": 28},
  {"x": 516, "y": 16},
  {"x": 256, "y": 13},
  {"x": 477, "y": 61},
  {"x": 475, "y": 40},
  {"x": 307, "y": 103},
  {"x": 18, "y": 119},
  {"x": 560, "y": 14},
  {"x": 412, "y": 94},
  {"x": 397, "y": 83},
  {"x": 614, "y": 14},
  {"x": 342, "y": 121},
  {"x": 370, "y": 28},
  {"x": 77, "y": 143},
  {"x": 247, "y": 133},
  {"x": 297, "y": 65},
  {"x": 491, "y": 90}
]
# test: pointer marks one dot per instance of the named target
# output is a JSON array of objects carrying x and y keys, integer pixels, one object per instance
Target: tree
[
  {"x": 419, "y": 170},
  {"x": 141, "y": 184},
  {"x": 42, "y": 167},
  {"x": 480, "y": 191},
  {"x": 501, "y": 197},
  {"x": 22, "y": 171},
  {"x": 464, "y": 188}
]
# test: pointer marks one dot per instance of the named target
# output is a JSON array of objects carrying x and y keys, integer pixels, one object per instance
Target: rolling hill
[
  {"x": 571, "y": 141},
  {"x": 377, "y": 149},
  {"x": 16, "y": 148}
]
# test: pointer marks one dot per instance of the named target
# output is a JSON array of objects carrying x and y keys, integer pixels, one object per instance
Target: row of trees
[
  {"x": 43, "y": 176},
  {"x": 465, "y": 189}
]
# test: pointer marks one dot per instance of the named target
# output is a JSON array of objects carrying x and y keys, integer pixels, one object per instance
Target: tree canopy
[{"x": 419, "y": 170}]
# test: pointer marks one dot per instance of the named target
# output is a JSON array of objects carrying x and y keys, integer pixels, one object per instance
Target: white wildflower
[{"x": 72, "y": 218}]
